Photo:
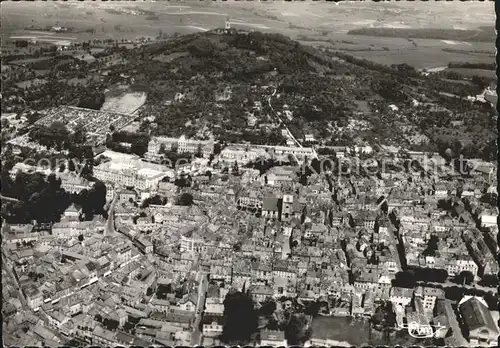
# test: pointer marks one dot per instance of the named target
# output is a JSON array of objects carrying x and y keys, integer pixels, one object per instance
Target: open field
[
  {"x": 419, "y": 53},
  {"x": 123, "y": 101},
  {"x": 473, "y": 72},
  {"x": 357, "y": 332},
  {"x": 419, "y": 58},
  {"x": 448, "y": 36}
]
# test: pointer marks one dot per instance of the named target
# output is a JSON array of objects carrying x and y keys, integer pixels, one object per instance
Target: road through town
[
  {"x": 202, "y": 293},
  {"x": 20, "y": 295},
  {"x": 110, "y": 223}
]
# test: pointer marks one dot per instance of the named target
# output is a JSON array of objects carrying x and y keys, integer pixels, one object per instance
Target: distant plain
[{"x": 314, "y": 23}]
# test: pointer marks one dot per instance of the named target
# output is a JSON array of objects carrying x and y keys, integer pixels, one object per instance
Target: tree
[
  {"x": 140, "y": 146},
  {"x": 268, "y": 307},
  {"x": 33, "y": 117},
  {"x": 174, "y": 148},
  {"x": 156, "y": 200},
  {"x": 312, "y": 308},
  {"x": 235, "y": 170},
  {"x": 79, "y": 136},
  {"x": 41, "y": 198},
  {"x": 71, "y": 166},
  {"x": 405, "y": 279},
  {"x": 295, "y": 331},
  {"x": 465, "y": 277},
  {"x": 182, "y": 181},
  {"x": 80, "y": 237},
  {"x": 241, "y": 319},
  {"x": 93, "y": 100},
  {"x": 199, "y": 151},
  {"x": 489, "y": 280},
  {"x": 432, "y": 246},
  {"x": 454, "y": 293},
  {"x": 161, "y": 150},
  {"x": 185, "y": 199},
  {"x": 217, "y": 148},
  {"x": 92, "y": 201},
  {"x": 54, "y": 136}
]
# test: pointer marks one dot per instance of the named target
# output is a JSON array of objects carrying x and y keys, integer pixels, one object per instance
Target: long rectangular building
[
  {"x": 300, "y": 152},
  {"x": 134, "y": 173},
  {"x": 182, "y": 144}
]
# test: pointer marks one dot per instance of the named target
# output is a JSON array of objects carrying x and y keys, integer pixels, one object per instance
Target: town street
[
  {"x": 202, "y": 293},
  {"x": 110, "y": 223},
  {"x": 455, "y": 327},
  {"x": 20, "y": 295}
]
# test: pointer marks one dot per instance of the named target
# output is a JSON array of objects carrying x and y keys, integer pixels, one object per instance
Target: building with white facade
[
  {"x": 400, "y": 296},
  {"x": 212, "y": 325},
  {"x": 295, "y": 151},
  {"x": 273, "y": 338},
  {"x": 191, "y": 244},
  {"x": 182, "y": 144},
  {"x": 132, "y": 173},
  {"x": 240, "y": 154},
  {"x": 27, "y": 168},
  {"x": 74, "y": 184},
  {"x": 429, "y": 297},
  {"x": 489, "y": 219}
]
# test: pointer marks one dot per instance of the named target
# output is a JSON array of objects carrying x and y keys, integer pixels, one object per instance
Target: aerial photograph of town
[{"x": 249, "y": 173}]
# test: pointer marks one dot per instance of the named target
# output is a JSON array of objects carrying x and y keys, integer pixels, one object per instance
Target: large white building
[
  {"x": 74, "y": 184},
  {"x": 132, "y": 173},
  {"x": 296, "y": 151},
  {"x": 241, "y": 154},
  {"x": 191, "y": 244},
  {"x": 489, "y": 219},
  {"x": 27, "y": 168},
  {"x": 273, "y": 338},
  {"x": 183, "y": 145}
]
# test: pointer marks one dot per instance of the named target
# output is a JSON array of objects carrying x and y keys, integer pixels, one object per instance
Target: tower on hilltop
[{"x": 228, "y": 24}]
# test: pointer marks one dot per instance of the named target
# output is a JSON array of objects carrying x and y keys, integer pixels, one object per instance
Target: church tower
[{"x": 228, "y": 25}]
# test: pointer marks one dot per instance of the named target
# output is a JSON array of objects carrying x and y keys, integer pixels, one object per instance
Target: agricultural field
[
  {"x": 320, "y": 23},
  {"x": 419, "y": 58},
  {"x": 474, "y": 72}
]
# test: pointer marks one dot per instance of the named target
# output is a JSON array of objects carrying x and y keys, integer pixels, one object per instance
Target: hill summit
[{"x": 337, "y": 98}]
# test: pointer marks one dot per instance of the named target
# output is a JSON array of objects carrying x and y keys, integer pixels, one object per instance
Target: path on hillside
[
  {"x": 9, "y": 199},
  {"x": 280, "y": 120}
]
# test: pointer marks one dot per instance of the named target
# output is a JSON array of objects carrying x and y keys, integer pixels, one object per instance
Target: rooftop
[
  {"x": 272, "y": 335},
  {"x": 476, "y": 315}
]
